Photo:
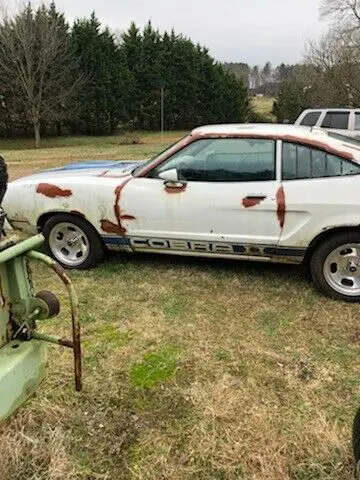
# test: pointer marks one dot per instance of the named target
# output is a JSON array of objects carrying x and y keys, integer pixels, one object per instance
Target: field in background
[
  {"x": 22, "y": 158},
  {"x": 263, "y": 106},
  {"x": 193, "y": 369}
]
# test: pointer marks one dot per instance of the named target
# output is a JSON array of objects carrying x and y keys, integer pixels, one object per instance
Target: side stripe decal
[{"x": 230, "y": 248}]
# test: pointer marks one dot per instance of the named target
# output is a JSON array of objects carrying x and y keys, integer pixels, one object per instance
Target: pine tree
[{"x": 103, "y": 101}]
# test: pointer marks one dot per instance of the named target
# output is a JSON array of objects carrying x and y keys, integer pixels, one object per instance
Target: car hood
[{"x": 91, "y": 168}]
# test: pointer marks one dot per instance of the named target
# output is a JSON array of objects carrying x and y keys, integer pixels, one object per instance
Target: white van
[{"x": 339, "y": 120}]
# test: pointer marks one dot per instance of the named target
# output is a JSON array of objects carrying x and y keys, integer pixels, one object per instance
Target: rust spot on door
[
  {"x": 52, "y": 191},
  {"x": 170, "y": 189},
  {"x": 249, "y": 202},
  {"x": 281, "y": 206}
]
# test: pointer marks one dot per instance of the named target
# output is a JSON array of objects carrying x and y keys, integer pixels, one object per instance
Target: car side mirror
[
  {"x": 286, "y": 121},
  {"x": 169, "y": 175}
]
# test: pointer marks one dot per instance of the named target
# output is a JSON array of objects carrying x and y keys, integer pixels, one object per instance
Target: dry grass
[{"x": 193, "y": 369}]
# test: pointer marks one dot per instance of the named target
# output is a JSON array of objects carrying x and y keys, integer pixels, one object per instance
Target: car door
[
  {"x": 214, "y": 190},
  {"x": 320, "y": 192}
]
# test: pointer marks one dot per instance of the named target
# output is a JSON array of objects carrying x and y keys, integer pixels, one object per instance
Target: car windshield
[
  {"x": 344, "y": 138},
  {"x": 155, "y": 157}
]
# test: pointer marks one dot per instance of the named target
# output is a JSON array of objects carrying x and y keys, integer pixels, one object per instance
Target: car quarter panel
[
  {"x": 95, "y": 199},
  {"x": 315, "y": 205}
]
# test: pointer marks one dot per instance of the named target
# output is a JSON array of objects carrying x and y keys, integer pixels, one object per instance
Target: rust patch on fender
[
  {"x": 117, "y": 228},
  {"x": 169, "y": 189},
  {"x": 52, "y": 191},
  {"x": 281, "y": 206},
  {"x": 111, "y": 227},
  {"x": 249, "y": 202}
]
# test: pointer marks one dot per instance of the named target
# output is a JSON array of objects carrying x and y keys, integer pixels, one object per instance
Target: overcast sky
[{"x": 252, "y": 31}]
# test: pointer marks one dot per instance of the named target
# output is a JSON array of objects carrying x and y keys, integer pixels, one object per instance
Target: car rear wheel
[
  {"x": 335, "y": 266},
  {"x": 72, "y": 242}
]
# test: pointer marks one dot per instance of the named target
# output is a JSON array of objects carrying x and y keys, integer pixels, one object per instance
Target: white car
[{"x": 275, "y": 193}]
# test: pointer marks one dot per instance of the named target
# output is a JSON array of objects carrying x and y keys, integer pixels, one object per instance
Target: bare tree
[
  {"x": 344, "y": 12},
  {"x": 336, "y": 60},
  {"x": 36, "y": 62}
]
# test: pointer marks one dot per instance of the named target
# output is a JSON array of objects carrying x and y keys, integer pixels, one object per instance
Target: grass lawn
[
  {"x": 22, "y": 158},
  {"x": 264, "y": 106},
  {"x": 193, "y": 368}
]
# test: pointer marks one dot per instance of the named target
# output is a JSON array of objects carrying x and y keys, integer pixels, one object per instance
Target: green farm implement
[{"x": 22, "y": 346}]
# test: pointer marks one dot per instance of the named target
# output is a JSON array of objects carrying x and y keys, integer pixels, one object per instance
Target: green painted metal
[
  {"x": 22, "y": 363},
  {"x": 22, "y": 367},
  {"x": 74, "y": 304},
  {"x": 29, "y": 244},
  {"x": 22, "y": 347}
]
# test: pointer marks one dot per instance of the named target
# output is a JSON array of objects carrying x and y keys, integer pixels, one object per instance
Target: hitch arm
[{"x": 74, "y": 305}]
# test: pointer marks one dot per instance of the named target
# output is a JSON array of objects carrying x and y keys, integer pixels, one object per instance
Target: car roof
[
  {"x": 311, "y": 136},
  {"x": 270, "y": 129}
]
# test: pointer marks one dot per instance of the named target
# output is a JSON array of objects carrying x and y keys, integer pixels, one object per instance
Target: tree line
[
  {"x": 57, "y": 79},
  {"x": 260, "y": 79}
]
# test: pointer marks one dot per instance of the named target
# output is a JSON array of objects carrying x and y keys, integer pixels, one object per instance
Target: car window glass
[
  {"x": 301, "y": 162},
  {"x": 223, "y": 160},
  {"x": 357, "y": 121},
  {"x": 338, "y": 120},
  {"x": 310, "y": 119}
]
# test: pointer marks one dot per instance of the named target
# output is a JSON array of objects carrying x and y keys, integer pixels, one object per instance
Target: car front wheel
[
  {"x": 335, "y": 266},
  {"x": 72, "y": 242}
]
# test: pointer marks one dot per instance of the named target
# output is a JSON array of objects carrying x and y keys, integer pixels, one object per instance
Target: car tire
[
  {"x": 335, "y": 266},
  {"x": 72, "y": 241},
  {"x": 3, "y": 178},
  {"x": 356, "y": 443}
]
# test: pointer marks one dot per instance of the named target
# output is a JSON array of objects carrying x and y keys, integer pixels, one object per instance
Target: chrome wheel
[
  {"x": 69, "y": 244},
  {"x": 341, "y": 269}
]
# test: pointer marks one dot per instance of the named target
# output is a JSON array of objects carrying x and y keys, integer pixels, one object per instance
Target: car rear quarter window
[
  {"x": 300, "y": 162},
  {"x": 336, "y": 120},
  {"x": 357, "y": 121},
  {"x": 310, "y": 119}
]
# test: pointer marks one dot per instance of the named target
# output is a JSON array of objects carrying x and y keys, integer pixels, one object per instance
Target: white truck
[{"x": 345, "y": 121}]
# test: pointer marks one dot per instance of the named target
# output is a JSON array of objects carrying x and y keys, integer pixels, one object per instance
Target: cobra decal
[{"x": 202, "y": 247}]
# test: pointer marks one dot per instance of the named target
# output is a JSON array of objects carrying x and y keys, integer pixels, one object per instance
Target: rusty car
[{"x": 276, "y": 193}]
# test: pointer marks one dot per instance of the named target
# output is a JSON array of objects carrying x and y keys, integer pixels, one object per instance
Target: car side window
[
  {"x": 357, "y": 121},
  {"x": 223, "y": 160},
  {"x": 299, "y": 162},
  {"x": 310, "y": 119},
  {"x": 337, "y": 120}
]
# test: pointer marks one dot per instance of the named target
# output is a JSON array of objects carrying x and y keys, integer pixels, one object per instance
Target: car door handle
[{"x": 175, "y": 183}]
